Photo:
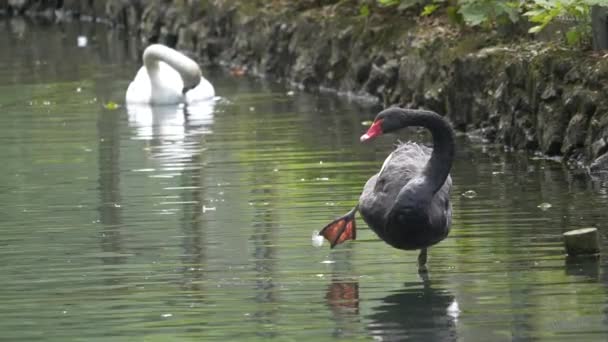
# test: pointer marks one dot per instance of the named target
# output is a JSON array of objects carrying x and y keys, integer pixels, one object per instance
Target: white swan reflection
[{"x": 172, "y": 131}]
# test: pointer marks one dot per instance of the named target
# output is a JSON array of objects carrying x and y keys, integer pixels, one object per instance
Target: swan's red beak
[{"x": 374, "y": 130}]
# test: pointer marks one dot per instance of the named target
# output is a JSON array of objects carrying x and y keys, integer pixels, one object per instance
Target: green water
[{"x": 195, "y": 225}]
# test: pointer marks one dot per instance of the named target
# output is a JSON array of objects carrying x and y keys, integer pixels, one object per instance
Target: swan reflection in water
[
  {"x": 173, "y": 130},
  {"x": 173, "y": 136},
  {"x": 416, "y": 313},
  {"x": 413, "y": 313}
]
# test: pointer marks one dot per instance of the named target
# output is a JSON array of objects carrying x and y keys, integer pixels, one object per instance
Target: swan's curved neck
[
  {"x": 186, "y": 67},
  {"x": 438, "y": 167}
]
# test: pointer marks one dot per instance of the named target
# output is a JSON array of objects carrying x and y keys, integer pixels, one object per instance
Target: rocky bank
[{"x": 524, "y": 94}]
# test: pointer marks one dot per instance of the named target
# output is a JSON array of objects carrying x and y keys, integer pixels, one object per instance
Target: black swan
[{"x": 407, "y": 203}]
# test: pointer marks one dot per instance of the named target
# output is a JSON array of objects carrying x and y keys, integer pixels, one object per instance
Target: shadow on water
[
  {"x": 586, "y": 266},
  {"x": 110, "y": 210},
  {"x": 174, "y": 136},
  {"x": 342, "y": 298},
  {"x": 263, "y": 240},
  {"x": 264, "y": 260},
  {"x": 420, "y": 311},
  {"x": 193, "y": 241},
  {"x": 342, "y": 295},
  {"x": 427, "y": 313}
]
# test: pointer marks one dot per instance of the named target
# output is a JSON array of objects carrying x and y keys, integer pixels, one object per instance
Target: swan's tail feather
[{"x": 341, "y": 229}]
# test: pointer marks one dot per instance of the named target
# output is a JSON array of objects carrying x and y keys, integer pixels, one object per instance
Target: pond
[{"x": 173, "y": 224}]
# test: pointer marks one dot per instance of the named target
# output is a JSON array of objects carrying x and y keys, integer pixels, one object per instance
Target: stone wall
[{"x": 525, "y": 94}]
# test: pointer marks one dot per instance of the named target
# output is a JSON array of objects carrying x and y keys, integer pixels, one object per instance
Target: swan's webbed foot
[{"x": 341, "y": 229}]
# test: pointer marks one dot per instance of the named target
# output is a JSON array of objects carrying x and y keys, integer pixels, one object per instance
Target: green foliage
[
  {"x": 492, "y": 13},
  {"x": 429, "y": 9},
  {"x": 478, "y": 12},
  {"x": 543, "y": 12},
  {"x": 364, "y": 11},
  {"x": 389, "y": 2},
  {"x": 403, "y": 4},
  {"x": 453, "y": 15},
  {"x": 576, "y": 12}
]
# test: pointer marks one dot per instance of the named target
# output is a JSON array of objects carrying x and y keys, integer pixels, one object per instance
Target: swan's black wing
[
  {"x": 440, "y": 212},
  {"x": 381, "y": 190}
]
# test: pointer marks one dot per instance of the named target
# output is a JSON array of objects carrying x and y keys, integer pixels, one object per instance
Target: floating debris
[
  {"x": 82, "y": 41},
  {"x": 290, "y": 93},
  {"x": 366, "y": 123},
  {"x": 252, "y": 109},
  {"x": 469, "y": 194},
  {"x": 166, "y": 315},
  {"x": 111, "y": 105},
  {"x": 544, "y": 206},
  {"x": 238, "y": 71},
  {"x": 206, "y": 209},
  {"x": 317, "y": 240}
]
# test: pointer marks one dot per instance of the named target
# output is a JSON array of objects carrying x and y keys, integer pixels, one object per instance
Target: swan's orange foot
[{"x": 341, "y": 229}]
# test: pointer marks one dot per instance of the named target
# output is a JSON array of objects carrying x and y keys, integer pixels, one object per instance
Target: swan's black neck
[{"x": 438, "y": 167}]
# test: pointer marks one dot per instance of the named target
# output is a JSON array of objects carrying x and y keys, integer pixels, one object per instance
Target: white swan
[{"x": 168, "y": 77}]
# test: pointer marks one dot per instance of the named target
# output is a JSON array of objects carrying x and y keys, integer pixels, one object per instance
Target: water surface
[{"x": 173, "y": 224}]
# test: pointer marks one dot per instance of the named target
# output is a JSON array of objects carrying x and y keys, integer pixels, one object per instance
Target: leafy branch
[{"x": 491, "y": 13}]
